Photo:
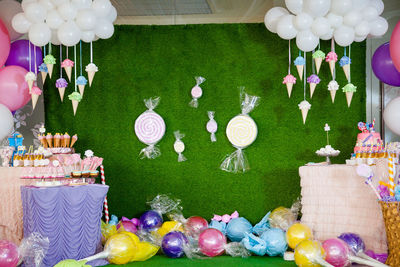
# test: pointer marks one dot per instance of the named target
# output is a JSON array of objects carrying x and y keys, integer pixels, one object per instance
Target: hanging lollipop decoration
[
  {"x": 91, "y": 68},
  {"x": 75, "y": 97},
  {"x": 50, "y": 60},
  {"x": 289, "y": 79},
  {"x": 150, "y": 129},
  {"x": 304, "y": 105},
  {"x": 43, "y": 68},
  {"x": 345, "y": 62},
  {"x": 318, "y": 57},
  {"x": 196, "y": 92},
  {"x": 67, "y": 64},
  {"x": 179, "y": 146},
  {"x": 299, "y": 62},
  {"x": 61, "y": 83},
  {"x": 212, "y": 126},
  {"x": 81, "y": 80},
  {"x": 241, "y": 132}
]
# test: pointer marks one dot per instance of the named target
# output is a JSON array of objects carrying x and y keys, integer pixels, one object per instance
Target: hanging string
[
  {"x": 34, "y": 57},
  {"x": 304, "y": 74},
  {"x": 49, "y": 48},
  {"x": 91, "y": 52},
  {"x": 30, "y": 58},
  {"x": 333, "y": 49},
  {"x": 44, "y": 51},
  {"x": 312, "y": 64},
  {"x": 75, "y": 66},
  {"x": 80, "y": 55},
  {"x": 319, "y": 45},
  {"x": 345, "y": 51},
  {"x": 60, "y": 60},
  {"x": 66, "y": 48},
  {"x": 289, "y": 58},
  {"x": 349, "y": 62}
]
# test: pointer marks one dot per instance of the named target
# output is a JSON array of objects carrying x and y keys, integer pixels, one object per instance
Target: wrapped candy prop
[
  {"x": 338, "y": 254},
  {"x": 237, "y": 227},
  {"x": 173, "y": 244},
  {"x": 195, "y": 225},
  {"x": 283, "y": 218},
  {"x": 220, "y": 222},
  {"x": 212, "y": 126},
  {"x": 275, "y": 240},
  {"x": 254, "y": 244},
  {"x": 8, "y": 253},
  {"x": 213, "y": 243},
  {"x": 297, "y": 233},
  {"x": 179, "y": 146},
  {"x": 145, "y": 250},
  {"x": 241, "y": 132},
  {"x": 169, "y": 226},
  {"x": 128, "y": 225},
  {"x": 150, "y": 129},
  {"x": 310, "y": 253},
  {"x": 196, "y": 92},
  {"x": 262, "y": 225}
]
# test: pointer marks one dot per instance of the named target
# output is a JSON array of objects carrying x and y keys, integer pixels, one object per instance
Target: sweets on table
[{"x": 57, "y": 141}]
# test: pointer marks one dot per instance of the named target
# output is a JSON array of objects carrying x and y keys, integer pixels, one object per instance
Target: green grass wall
[{"x": 139, "y": 62}]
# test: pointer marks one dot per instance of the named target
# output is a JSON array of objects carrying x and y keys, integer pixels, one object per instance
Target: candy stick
[
  {"x": 365, "y": 171},
  {"x": 391, "y": 176},
  {"x": 103, "y": 181}
]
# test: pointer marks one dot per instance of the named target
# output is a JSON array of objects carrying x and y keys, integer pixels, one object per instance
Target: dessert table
[
  {"x": 68, "y": 215},
  {"x": 336, "y": 200}
]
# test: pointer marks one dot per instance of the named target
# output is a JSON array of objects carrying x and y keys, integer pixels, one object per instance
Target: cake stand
[{"x": 328, "y": 155}]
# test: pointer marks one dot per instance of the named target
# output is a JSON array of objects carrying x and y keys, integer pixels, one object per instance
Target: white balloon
[
  {"x": 54, "y": 19},
  {"x": 317, "y": 8},
  {"x": 35, "y": 13},
  {"x": 285, "y": 27},
  {"x": 104, "y": 29},
  {"x": 303, "y": 21},
  {"x": 20, "y": 23},
  {"x": 67, "y": 11},
  {"x": 359, "y": 38},
  {"x": 86, "y": 19},
  {"x": 306, "y": 41},
  {"x": 359, "y": 4},
  {"x": 59, "y": 2},
  {"x": 327, "y": 36},
  {"x": 378, "y": 27},
  {"x": 378, "y": 5},
  {"x": 272, "y": 17},
  {"x": 335, "y": 20},
  {"x": 320, "y": 26},
  {"x": 101, "y": 8},
  {"x": 294, "y": 6},
  {"x": 87, "y": 36},
  {"x": 362, "y": 28},
  {"x": 369, "y": 13},
  {"x": 39, "y": 34},
  {"x": 344, "y": 35},
  {"x": 47, "y": 4},
  {"x": 24, "y": 3},
  {"x": 8, "y": 9},
  {"x": 341, "y": 7},
  {"x": 54, "y": 38},
  {"x": 81, "y": 4},
  {"x": 6, "y": 122},
  {"x": 352, "y": 18},
  {"x": 69, "y": 33},
  {"x": 112, "y": 16},
  {"x": 391, "y": 115}
]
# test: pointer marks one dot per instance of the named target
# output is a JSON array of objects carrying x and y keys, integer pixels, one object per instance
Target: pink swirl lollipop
[
  {"x": 212, "y": 126},
  {"x": 196, "y": 92}
]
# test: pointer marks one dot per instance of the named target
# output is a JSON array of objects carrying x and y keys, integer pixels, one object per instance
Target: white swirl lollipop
[
  {"x": 241, "y": 132},
  {"x": 212, "y": 126},
  {"x": 196, "y": 92},
  {"x": 150, "y": 129},
  {"x": 179, "y": 146}
]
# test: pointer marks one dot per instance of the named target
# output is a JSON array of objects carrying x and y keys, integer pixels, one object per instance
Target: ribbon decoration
[{"x": 226, "y": 217}]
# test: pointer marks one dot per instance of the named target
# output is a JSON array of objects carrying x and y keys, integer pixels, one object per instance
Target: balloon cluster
[
  {"x": 65, "y": 21},
  {"x": 310, "y": 20}
]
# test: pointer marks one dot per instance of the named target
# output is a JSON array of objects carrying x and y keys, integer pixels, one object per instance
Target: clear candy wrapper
[
  {"x": 236, "y": 249},
  {"x": 262, "y": 226},
  {"x": 212, "y": 126},
  {"x": 179, "y": 146},
  {"x": 283, "y": 218},
  {"x": 241, "y": 132},
  {"x": 33, "y": 249},
  {"x": 164, "y": 204},
  {"x": 196, "y": 92}
]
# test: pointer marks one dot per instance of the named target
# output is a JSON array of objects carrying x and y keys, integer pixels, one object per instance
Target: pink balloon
[
  {"x": 14, "y": 90},
  {"x": 4, "y": 43},
  {"x": 8, "y": 254},
  {"x": 212, "y": 242},
  {"x": 337, "y": 252},
  {"x": 195, "y": 225},
  {"x": 395, "y": 46}
]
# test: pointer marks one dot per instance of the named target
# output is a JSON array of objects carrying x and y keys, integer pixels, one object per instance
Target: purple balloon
[
  {"x": 19, "y": 55},
  {"x": 383, "y": 66},
  {"x": 150, "y": 220},
  {"x": 8, "y": 254},
  {"x": 173, "y": 243},
  {"x": 354, "y": 241}
]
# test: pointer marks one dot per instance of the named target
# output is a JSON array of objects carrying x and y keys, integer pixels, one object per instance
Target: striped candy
[
  {"x": 241, "y": 131},
  {"x": 103, "y": 181},
  {"x": 391, "y": 175},
  {"x": 149, "y": 127}
]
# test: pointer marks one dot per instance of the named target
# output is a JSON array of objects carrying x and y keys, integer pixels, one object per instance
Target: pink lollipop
[
  {"x": 196, "y": 92},
  {"x": 338, "y": 254}
]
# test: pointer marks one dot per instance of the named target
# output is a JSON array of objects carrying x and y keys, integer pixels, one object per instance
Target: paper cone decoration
[
  {"x": 289, "y": 87},
  {"x": 346, "y": 69},
  {"x": 349, "y": 96},
  {"x": 333, "y": 93},
  {"x": 75, "y": 104},
  {"x": 318, "y": 62},
  {"x": 61, "y": 91},
  {"x": 30, "y": 84},
  {"x": 332, "y": 66},
  {"x": 81, "y": 89},
  {"x": 35, "y": 98},
  {"x": 304, "y": 113},
  {"x": 91, "y": 76},
  {"x": 44, "y": 76},
  {"x": 312, "y": 88},
  {"x": 50, "y": 69},
  {"x": 300, "y": 71},
  {"x": 68, "y": 71}
]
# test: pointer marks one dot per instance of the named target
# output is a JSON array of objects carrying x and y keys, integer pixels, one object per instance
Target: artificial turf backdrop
[{"x": 139, "y": 62}]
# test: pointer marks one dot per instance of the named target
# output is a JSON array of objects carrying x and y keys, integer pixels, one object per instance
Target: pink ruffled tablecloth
[
  {"x": 336, "y": 200},
  {"x": 11, "y": 224}
]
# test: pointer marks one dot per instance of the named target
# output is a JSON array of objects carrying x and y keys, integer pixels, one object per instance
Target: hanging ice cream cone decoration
[
  {"x": 318, "y": 57},
  {"x": 75, "y": 97},
  {"x": 349, "y": 89},
  {"x": 91, "y": 69},
  {"x": 299, "y": 62},
  {"x": 30, "y": 78},
  {"x": 43, "y": 71},
  {"x": 68, "y": 64},
  {"x": 61, "y": 84},
  {"x": 35, "y": 93},
  {"x": 49, "y": 60},
  {"x": 345, "y": 64},
  {"x": 81, "y": 82},
  {"x": 313, "y": 80},
  {"x": 289, "y": 80},
  {"x": 331, "y": 58},
  {"x": 304, "y": 106},
  {"x": 333, "y": 86}
]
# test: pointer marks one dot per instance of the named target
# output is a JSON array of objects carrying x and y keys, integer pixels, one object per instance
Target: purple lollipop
[
  {"x": 173, "y": 244},
  {"x": 150, "y": 220}
]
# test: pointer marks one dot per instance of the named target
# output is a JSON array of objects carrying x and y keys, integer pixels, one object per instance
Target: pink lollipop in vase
[{"x": 339, "y": 254}]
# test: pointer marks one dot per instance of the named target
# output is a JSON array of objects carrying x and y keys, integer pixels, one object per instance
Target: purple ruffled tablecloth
[{"x": 69, "y": 216}]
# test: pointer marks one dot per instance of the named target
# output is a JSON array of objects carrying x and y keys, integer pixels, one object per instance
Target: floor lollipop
[
  {"x": 309, "y": 253},
  {"x": 297, "y": 233},
  {"x": 339, "y": 255}
]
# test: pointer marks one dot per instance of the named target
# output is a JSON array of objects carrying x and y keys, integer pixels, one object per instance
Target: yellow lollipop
[
  {"x": 169, "y": 226},
  {"x": 121, "y": 248},
  {"x": 309, "y": 253},
  {"x": 282, "y": 217},
  {"x": 297, "y": 233}
]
